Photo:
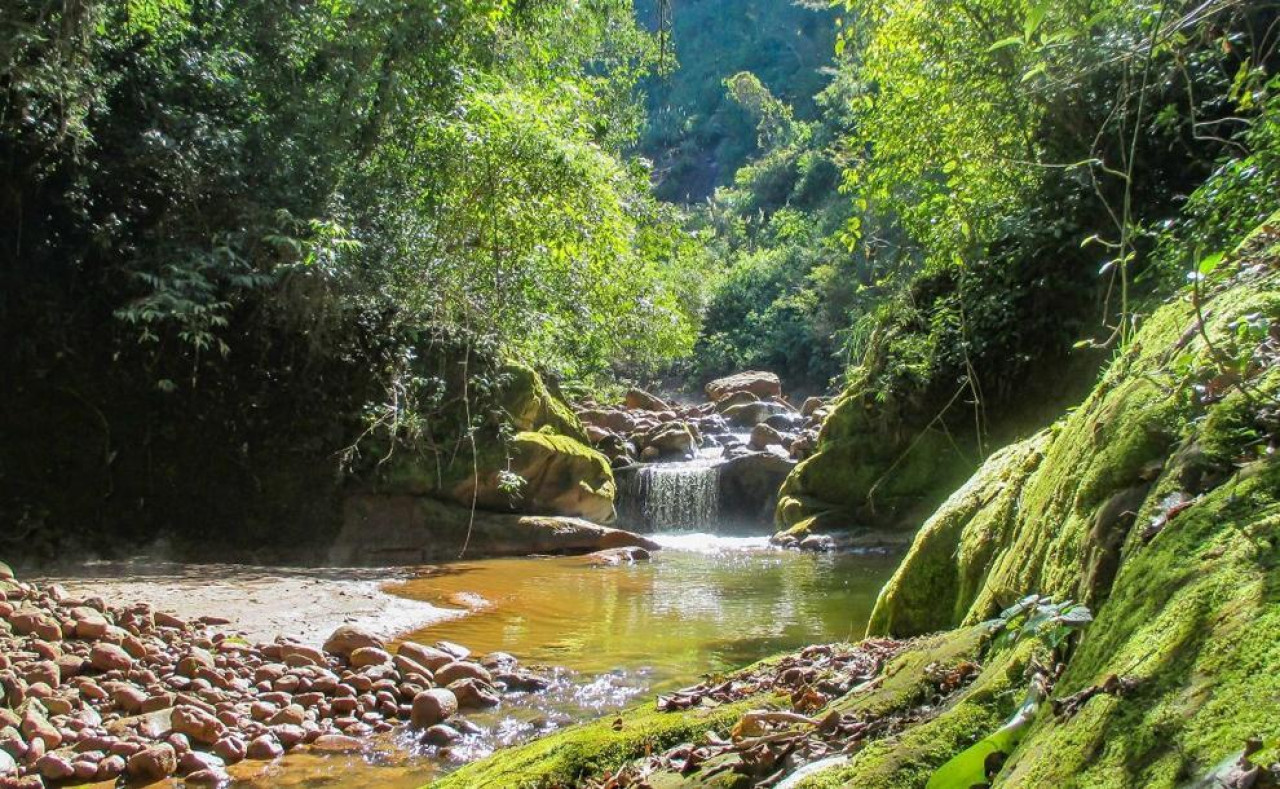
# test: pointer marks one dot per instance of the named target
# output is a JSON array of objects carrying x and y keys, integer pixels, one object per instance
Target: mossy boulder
[
  {"x": 546, "y": 468},
  {"x": 873, "y": 469},
  {"x": 558, "y": 475},
  {"x": 529, "y": 404}
]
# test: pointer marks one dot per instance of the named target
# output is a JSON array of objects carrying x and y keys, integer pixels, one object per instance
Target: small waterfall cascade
[{"x": 682, "y": 496}]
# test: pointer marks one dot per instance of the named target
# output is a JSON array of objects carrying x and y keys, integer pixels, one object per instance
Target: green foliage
[
  {"x": 1040, "y": 617},
  {"x": 231, "y": 225}
]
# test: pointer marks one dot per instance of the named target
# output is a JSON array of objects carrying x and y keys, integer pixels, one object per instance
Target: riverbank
[{"x": 307, "y": 604}]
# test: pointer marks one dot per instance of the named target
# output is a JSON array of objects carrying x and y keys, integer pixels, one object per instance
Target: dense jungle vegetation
[{"x": 251, "y": 246}]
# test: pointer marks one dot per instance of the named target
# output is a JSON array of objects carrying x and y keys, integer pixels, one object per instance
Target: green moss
[
  {"x": 563, "y": 758},
  {"x": 530, "y": 405},
  {"x": 941, "y": 575},
  {"x": 870, "y": 471}
]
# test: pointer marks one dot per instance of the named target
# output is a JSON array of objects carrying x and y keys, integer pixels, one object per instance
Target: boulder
[
  {"x": 737, "y": 398},
  {"x": 757, "y": 382},
  {"x": 561, "y": 476},
  {"x": 431, "y": 707},
  {"x": 762, "y": 435},
  {"x": 673, "y": 438},
  {"x": 751, "y": 414},
  {"x": 811, "y": 405},
  {"x": 641, "y": 400},
  {"x": 348, "y": 638},
  {"x": 617, "y": 556},
  {"x": 749, "y": 487}
]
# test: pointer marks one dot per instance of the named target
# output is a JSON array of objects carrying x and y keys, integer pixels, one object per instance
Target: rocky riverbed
[{"x": 95, "y": 690}]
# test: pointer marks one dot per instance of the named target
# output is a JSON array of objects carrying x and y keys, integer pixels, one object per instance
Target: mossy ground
[{"x": 564, "y": 758}]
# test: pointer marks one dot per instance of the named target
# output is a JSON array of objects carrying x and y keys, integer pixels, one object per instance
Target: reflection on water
[{"x": 704, "y": 604}]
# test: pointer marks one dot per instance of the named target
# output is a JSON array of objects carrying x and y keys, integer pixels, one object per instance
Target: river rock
[
  {"x": 673, "y": 438},
  {"x": 762, "y": 435},
  {"x": 34, "y": 623},
  {"x": 348, "y": 638},
  {"x": 6, "y": 572},
  {"x": 369, "y": 656},
  {"x": 473, "y": 694},
  {"x": 153, "y": 764},
  {"x": 810, "y": 405},
  {"x": 440, "y": 734},
  {"x": 749, "y": 486},
  {"x": 109, "y": 657},
  {"x": 642, "y": 400},
  {"x": 337, "y": 743},
  {"x": 196, "y": 724},
  {"x": 433, "y": 706},
  {"x": 617, "y": 556},
  {"x": 737, "y": 398},
  {"x": 462, "y": 669},
  {"x": 264, "y": 748},
  {"x": 759, "y": 383},
  {"x": 430, "y": 657}
]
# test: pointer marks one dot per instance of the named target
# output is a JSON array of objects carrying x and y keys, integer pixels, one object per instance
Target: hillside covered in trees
[{"x": 905, "y": 370}]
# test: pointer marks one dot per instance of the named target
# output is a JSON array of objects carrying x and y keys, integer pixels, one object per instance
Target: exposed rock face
[
  {"x": 389, "y": 530},
  {"x": 761, "y": 384},
  {"x": 561, "y": 477}
]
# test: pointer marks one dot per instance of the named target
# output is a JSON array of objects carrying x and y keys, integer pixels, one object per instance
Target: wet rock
[
  {"x": 433, "y": 706},
  {"x": 459, "y": 669},
  {"x": 762, "y": 435},
  {"x": 110, "y": 768},
  {"x": 440, "y": 735},
  {"x": 818, "y": 543},
  {"x": 153, "y": 764},
  {"x": 473, "y": 694},
  {"x": 750, "y": 414},
  {"x": 337, "y": 743},
  {"x": 521, "y": 681},
  {"x": 349, "y": 638},
  {"x": 231, "y": 749},
  {"x": 264, "y": 748},
  {"x": 617, "y": 556},
  {"x": 499, "y": 661},
  {"x": 673, "y": 438}
]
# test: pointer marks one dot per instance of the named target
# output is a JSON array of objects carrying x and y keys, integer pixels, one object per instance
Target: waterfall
[{"x": 673, "y": 497}]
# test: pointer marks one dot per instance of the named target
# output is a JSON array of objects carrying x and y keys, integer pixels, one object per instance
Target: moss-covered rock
[
  {"x": 1155, "y": 503},
  {"x": 559, "y": 476},
  {"x": 873, "y": 468},
  {"x": 544, "y": 467}
]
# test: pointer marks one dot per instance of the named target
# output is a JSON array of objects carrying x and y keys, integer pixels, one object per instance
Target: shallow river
[{"x": 615, "y": 635}]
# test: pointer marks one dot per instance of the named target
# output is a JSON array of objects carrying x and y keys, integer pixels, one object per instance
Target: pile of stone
[
  {"x": 91, "y": 692},
  {"x": 646, "y": 429}
]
